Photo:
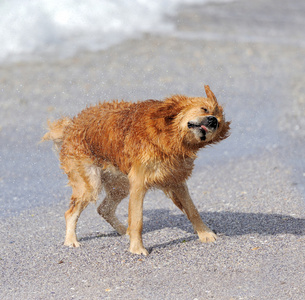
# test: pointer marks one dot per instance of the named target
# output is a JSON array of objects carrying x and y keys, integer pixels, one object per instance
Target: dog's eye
[{"x": 204, "y": 109}]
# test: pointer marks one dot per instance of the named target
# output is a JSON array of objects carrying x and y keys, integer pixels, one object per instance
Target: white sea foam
[{"x": 30, "y": 28}]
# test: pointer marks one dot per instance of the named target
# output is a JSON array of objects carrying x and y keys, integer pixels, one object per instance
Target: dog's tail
[{"x": 56, "y": 132}]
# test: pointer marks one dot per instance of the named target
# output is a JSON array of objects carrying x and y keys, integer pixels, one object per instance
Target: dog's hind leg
[
  {"x": 181, "y": 198},
  {"x": 77, "y": 205},
  {"x": 116, "y": 188},
  {"x": 83, "y": 192}
]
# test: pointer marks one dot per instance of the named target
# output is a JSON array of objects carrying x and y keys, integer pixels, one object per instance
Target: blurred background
[{"x": 32, "y": 28}]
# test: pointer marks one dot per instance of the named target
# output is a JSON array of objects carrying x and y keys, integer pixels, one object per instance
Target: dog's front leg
[
  {"x": 135, "y": 214},
  {"x": 181, "y": 197}
]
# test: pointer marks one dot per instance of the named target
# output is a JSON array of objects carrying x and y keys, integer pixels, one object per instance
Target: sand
[{"x": 249, "y": 188}]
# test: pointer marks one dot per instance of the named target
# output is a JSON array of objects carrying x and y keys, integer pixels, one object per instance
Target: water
[{"x": 31, "y": 28}]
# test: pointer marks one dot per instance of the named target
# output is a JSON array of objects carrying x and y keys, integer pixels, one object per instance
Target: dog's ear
[
  {"x": 209, "y": 93},
  {"x": 166, "y": 112},
  {"x": 168, "y": 109}
]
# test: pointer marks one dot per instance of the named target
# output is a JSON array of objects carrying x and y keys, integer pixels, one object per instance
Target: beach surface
[{"x": 249, "y": 188}]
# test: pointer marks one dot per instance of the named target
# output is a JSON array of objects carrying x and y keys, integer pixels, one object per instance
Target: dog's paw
[
  {"x": 138, "y": 250},
  {"x": 207, "y": 236},
  {"x": 72, "y": 244},
  {"x": 121, "y": 230}
]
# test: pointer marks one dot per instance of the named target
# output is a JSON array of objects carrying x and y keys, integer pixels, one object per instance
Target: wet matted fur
[{"x": 127, "y": 148}]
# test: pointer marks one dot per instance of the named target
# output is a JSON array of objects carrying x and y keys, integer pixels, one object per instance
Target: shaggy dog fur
[{"x": 128, "y": 148}]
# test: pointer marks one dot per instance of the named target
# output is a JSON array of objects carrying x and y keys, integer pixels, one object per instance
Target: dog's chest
[{"x": 168, "y": 171}]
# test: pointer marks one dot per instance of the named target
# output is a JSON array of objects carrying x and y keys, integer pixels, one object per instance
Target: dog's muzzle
[
  {"x": 204, "y": 126},
  {"x": 209, "y": 122}
]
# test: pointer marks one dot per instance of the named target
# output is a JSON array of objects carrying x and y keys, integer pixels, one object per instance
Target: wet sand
[{"x": 249, "y": 188}]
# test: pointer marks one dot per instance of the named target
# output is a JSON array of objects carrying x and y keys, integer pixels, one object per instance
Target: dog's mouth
[
  {"x": 200, "y": 127},
  {"x": 207, "y": 125}
]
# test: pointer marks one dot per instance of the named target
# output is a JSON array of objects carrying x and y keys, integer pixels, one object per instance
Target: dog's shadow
[
  {"x": 228, "y": 223},
  {"x": 225, "y": 223}
]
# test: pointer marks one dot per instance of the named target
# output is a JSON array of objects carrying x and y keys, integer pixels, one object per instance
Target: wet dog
[{"x": 127, "y": 148}]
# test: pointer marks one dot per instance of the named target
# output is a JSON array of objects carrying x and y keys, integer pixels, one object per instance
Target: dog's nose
[{"x": 212, "y": 121}]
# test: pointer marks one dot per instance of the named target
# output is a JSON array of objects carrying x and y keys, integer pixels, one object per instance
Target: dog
[{"x": 128, "y": 148}]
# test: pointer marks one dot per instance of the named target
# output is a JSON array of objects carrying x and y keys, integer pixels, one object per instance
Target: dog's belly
[{"x": 155, "y": 174}]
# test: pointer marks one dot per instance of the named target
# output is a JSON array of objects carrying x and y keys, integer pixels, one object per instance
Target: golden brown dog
[{"x": 128, "y": 148}]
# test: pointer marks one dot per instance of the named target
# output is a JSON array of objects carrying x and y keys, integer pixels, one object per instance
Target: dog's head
[
  {"x": 202, "y": 121},
  {"x": 199, "y": 121}
]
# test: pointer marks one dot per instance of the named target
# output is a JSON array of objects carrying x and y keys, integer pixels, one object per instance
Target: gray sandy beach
[{"x": 249, "y": 189}]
